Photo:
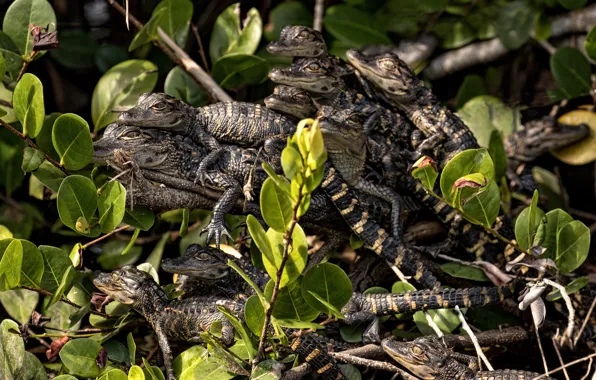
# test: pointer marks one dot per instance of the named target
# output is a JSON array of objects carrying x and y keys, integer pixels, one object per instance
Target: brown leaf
[
  {"x": 101, "y": 358},
  {"x": 38, "y": 320},
  {"x": 55, "y": 347},
  {"x": 423, "y": 162},
  {"x": 464, "y": 182},
  {"x": 42, "y": 39},
  {"x": 99, "y": 300}
]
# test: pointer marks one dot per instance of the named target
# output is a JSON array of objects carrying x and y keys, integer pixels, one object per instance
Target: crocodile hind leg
[
  {"x": 166, "y": 350},
  {"x": 209, "y": 160},
  {"x": 390, "y": 196}
]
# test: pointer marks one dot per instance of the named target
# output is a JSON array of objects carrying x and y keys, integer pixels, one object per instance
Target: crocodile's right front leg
[
  {"x": 232, "y": 191},
  {"x": 166, "y": 350}
]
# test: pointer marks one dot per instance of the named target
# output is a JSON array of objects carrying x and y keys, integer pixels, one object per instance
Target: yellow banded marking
[
  {"x": 349, "y": 209},
  {"x": 326, "y": 368},
  {"x": 341, "y": 194},
  {"x": 295, "y": 344},
  {"x": 330, "y": 178},
  {"x": 313, "y": 355},
  {"x": 391, "y": 302}
]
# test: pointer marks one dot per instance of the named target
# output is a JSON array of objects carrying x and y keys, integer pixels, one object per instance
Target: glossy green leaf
[
  {"x": 120, "y": 87},
  {"x": 290, "y": 304},
  {"x": 464, "y": 271},
  {"x": 496, "y": 149},
  {"x": 112, "y": 257},
  {"x": 328, "y": 281},
  {"x": 185, "y": 363},
  {"x": 572, "y": 4},
  {"x": 31, "y": 159},
  {"x": 261, "y": 240},
  {"x": 44, "y": 138},
  {"x": 572, "y": 71},
  {"x": 210, "y": 369},
  {"x": 235, "y": 70},
  {"x": 59, "y": 273},
  {"x": 549, "y": 186},
  {"x": 573, "y": 287},
  {"x": 65, "y": 377},
  {"x": 152, "y": 372},
  {"x": 12, "y": 349},
  {"x": 136, "y": 373},
  {"x": 12, "y": 56},
  {"x": 32, "y": 367},
  {"x": 446, "y": 319},
  {"x": 555, "y": 220},
  {"x": 267, "y": 370},
  {"x": 515, "y": 23},
  {"x": 77, "y": 198},
  {"x": 239, "y": 328},
  {"x": 111, "y": 206},
  {"x": 117, "y": 352},
  {"x": 79, "y": 356},
  {"x": 542, "y": 27},
  {"x": 276, "y": 206},
  {"x": 140, "y": 218},
  {"x": 77, "y": 49},
  {"x": 49, "y": 175},
  {"x": 464, "y": 163},
  {"x": 590, "y": 43},
  {"x": 10, "y": 265},
  {"x": 526, "y": 224},
  {"x": 176, "y": 20},
  {"x": 19, "y": 15},
  {"x": 250, "y": 36},
  {"x": 297, "y": 256},
  {"x": 573, "y": 245},
  {"x": 72, "y": 141},
  {"x": 254, "y": 314},
  {"x": 27, "y": 101},
  {"x": 485, "y": 113},
  {"x": 425, "y": 171},
  {"x": 225, "y": 31},
  {"x": 149, "y": 31},
  {"x": 33, "y": 265},
  {"x": 291, "y": 162},
  {"x": 114, "y": 374},
  {"x": 5, "y": 233},
  {"x": 132, "y": 347},
  {"x": 483, "y": 207},
  {"x": 353, "y": 26},
  {"x": 472, "y": 86},
  {"x": 454, "y": 34},
  {"x": 287, "y": 13},
  {"x": 181, "y": 86}
]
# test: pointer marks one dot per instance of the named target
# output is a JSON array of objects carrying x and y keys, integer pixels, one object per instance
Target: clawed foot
[
  {"x": 247, "y": 191},
  {"x": 202, "y": 176},
  {"x": 216, "y": 230}
]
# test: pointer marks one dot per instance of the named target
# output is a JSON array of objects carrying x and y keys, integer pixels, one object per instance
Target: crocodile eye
[
  {"x": 131, "y": 135},
  {"x": 114, "y": 277},
  {"x": 204, "y": 256},
  {"x": 417, "y": 350},
  {"x": 303, "y": 34},
  {"x": 313, "y": 67},
  {"x": 159, "y": 106},
  {"x": 387, "y": 64}
]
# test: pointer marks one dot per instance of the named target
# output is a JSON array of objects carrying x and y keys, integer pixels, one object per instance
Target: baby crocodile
[
  {"x": 291, "y": 101},
  {"x": 186, "y": 319},
  {"x": 428, "y": 359}
]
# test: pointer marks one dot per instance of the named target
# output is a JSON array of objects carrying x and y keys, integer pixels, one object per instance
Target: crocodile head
[
  {"x": 386, "y": 72},
  {"x": 149, "y": 148},
  {"x": 425, "y": 357},
  {"x": 315, "y": 75},
  {"x": 292, "y": 101},
  {"x": 541, "y": 136},
  {"x": 130, "y": 286},
  {"x": 158, "y": 110},
  {"x": 206, "y": 263},
  {"x": 298, "y": 41}
]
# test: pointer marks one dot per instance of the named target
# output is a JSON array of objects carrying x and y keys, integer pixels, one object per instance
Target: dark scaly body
[
  {"x": 427, "y": 358},
  {"x": 291, "y": 101}
]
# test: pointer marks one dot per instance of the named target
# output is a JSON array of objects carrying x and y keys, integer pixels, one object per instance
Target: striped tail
[
  {"x": 317, "y": 356},
  {"x": 374, "y": 237}
]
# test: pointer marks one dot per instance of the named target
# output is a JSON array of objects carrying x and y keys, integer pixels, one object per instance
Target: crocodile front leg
[
  {"x": 232, "y": 191},
  {"x": 389, "y": 195},
  {"x": 209, "y": 160},
  {"x": 166, "y": 350}
]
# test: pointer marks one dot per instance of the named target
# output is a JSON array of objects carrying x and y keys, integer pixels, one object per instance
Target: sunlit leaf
[
  {"x": 573, "y": 245},
  {"x": 79, "y": 356},
  {"x": 111, "y": 206},
  {"x": 72, "y": 141},
  {"x": 290, "y": 304},
  {"x": 77, "y": 198},
  {"x": 584, "y": 151},
  {"x": 526, "y": 224},
  {"x": 235, "y": 70},
  {"x": 27, "y": 101},
  {"x": 330, "y": 283},
  {"x": 276, "y": 206}
]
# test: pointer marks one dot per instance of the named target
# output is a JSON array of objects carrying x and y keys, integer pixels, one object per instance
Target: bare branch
[
  {"x": 473, "y": 338},
  {"x": 319, "y": 11}
]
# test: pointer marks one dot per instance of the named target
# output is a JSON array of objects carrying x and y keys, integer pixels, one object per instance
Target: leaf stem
[
  {"x": 286, "y": 255},
  {"x": 65, "y": 300},
  {"x": 30, "y": 142},
  {"x": 26, "y": 63},
  {"x": 105, "y": 236}
]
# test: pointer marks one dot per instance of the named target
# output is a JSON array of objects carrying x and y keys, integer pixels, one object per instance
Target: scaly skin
[
  {"x": 445, "y": 133},
  {"x": 428, "y": 359},
  {"x": 291, "y": 101},
  {"x": 186, "y": 319},
  {"x": 298, "y": 41}
]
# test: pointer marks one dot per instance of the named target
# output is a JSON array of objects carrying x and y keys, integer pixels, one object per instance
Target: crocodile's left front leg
[
  {"x": 232, "y": 191},
  {"x": 166, "y": 350}
]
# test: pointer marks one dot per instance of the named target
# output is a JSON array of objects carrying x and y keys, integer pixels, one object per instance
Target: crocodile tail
[
  {"x": 390, "y": 304},
  {"x": 373, "y": 236},
  {"x": 508, "y": 374},
  {"x": 317, "y": 357}
]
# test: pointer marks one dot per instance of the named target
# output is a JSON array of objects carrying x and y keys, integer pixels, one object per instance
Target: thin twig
[
  {"x": 30, "y": 142},
  {"x": 473, "y": 338},
  {"x": 65, "y": 300},
  {"x": 565, "y": 366},
  {"x": 383, "y": 366},
  {"x": 26, "y": 63},
  {"x": 579, "y": 333},
  {"x": 105, "y": 236},
  {"x": 433, "y": 325},
  {"x": 319, "y": 11},
  {"x": 5, "y": 103},
  {"x": 560, "y": 357},
  {"x": 588, "y": 371},
  {"x": 195, "y": 30},
  {"x": 541, "y": 350},
  {"x": 567, "y": 336}
]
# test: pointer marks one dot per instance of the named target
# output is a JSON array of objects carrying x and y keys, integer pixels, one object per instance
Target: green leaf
[
  {"x": 33, "y": 266},
  {"x": 572, "y": 71},
  {"x": 572, "y": 4},
  {"x": 590, "y": 43},
  {"x": 472, "y": 86},
  {"x": 27, "y": 101},
  {"x": 464, "y": 271},
  {"x": 10, "y": 265},
  {"x": 11, "y": 55},
  {"x": 5, "y": 233},
  {"x": 59, "y": 273},
  {"x": 239, "y": 327},
  {"x": 446, "y": 319},
  {"x": 19, "y": 303},
  {"x": 185, "y": 363},
  {"x": 454, "y": 34},
  {"x": 176, "y": 20},
  {"x": 79, "y": 356},
  {"x": 332, "y": 311},
  {"x": 116, "y": 351},
  {"x": 290, "y": 304},
  {"x": 120, "y": 87},
  {"x": 261, "y": 240},
  {"x": 574, "y": 286},
  {"x": 555, "y": 220},
  {"x": 496, "y": 149},
  {"x": 542, "y": 27},
  {"x": 112, "y": 257},
  {"x": 353, "y": 26},
  {"x": 152, "y": 372},
  {"x": 425, "y": 170},
  {"x": 210, "y": 369},
  {"x": 32, "y": 367},
  {"x": 136, "y": 373},
  {"x": 114, "y": 374},
  {"x": 330, "y": 283},
  {"x": 483, "y": 207},
  {"x": 526, "y": 224},
  {"x": 515, "y": 23},
  {"x": 65, "y": 377},
  {"x": 276, "y": 206},
  {"x": 140, "y": 218},
  {"x": 267, "y": 370},
  {"x": 235, "y": 70},
  {"x": 72, "y": 141},
  {"x": 297, "y": 255},
  {"x": 464, "y": 163},
  {"x": 2, "y": 66},
  {"x": 111, "y": 206},
  {"x": 19, "y": 15},
  {"x": 225, "y": 31},
  {"x": 49, "y": 175},
  {"x": 181, "y": 86},
  {"x": 287, "y": 13},
  {"x": 573, "y": 245},
  {"x": 31, "y": 159},
  {"x": 549, "y": 186},
  {"x": 132, "y": 347},
  {"x": 254, "y": 314},
  {"x": 12, "y": 349},
  {"x": 250, "y": 36},
  {"x": 149, "y": 31},
  {"x": 77, "y": 49},
  {"x": 77, "y": 198}
]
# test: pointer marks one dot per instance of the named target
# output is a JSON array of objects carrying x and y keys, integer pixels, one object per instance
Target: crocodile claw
[
  {"x": 216, "y": 230},
  {"x": 202, "y": 176}
]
